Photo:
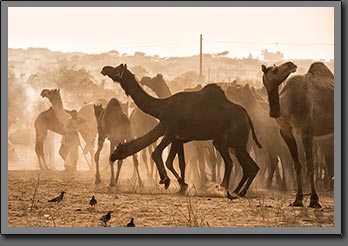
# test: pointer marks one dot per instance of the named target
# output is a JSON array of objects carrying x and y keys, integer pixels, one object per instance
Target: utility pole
[{"x": 200, "y": 59}]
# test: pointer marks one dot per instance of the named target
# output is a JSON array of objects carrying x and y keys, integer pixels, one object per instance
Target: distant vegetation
[{"x": 78, "y": 75}]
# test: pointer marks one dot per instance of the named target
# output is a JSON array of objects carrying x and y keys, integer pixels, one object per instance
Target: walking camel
[
  {"x": 54, "y": 118},
  {"x": 306, "y": 105},
  {"x": 114, "y": 125},
  {"x": 143, "y": 123},
  {"x": 187, "y": 116}
]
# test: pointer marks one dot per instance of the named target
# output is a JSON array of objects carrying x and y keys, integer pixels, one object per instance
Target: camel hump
[{"x": 320, "y": 69}]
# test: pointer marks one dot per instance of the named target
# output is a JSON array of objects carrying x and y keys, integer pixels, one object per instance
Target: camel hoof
[
  {"x": 298, "y": 201},
  {"x": 232, "y": 196},
  {"x": 183, "y": 188},
  {"x": 112, "y": 183},
  {"x": 97, "y": 181},
  {"x": 166, "y": 182},
  {"x": 242, "y": 193},
  {"x": 314, "y": 201}
]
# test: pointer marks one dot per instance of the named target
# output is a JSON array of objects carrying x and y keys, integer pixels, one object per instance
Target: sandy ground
[{"x": 151, "y": 206}]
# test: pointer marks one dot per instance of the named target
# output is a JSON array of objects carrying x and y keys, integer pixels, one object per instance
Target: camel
[
  {"x": 113, "y": 124},
  {"x": 306, "y": 105},
  {"x": 142, "y": 122},
  {"x": 271, "y": 141},
  {"x": 53, "y": 118},
  {"x": 185, "y": 116}
]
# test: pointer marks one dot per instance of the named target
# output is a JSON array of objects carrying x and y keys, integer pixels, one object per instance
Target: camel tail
[
  {"x": 253, "y": 131},
  {"x": 132, "y": 147}
]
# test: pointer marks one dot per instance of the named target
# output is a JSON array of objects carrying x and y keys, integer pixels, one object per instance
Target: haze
[{"x": 306, "y": 32}]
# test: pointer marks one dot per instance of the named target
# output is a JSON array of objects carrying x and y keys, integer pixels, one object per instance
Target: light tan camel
[
  {"x": 113, "y": 124},
  {"x": 201, "y": 115},
  {"x": 306, "y": 105},
  {"x": 53, "y": 118}
]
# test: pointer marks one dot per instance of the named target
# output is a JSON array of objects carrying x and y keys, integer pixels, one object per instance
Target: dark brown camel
[
  {"x": 306, "y": 105},
  {"x": 53, "y": 118},
  {"x": 143, "y": 123},
  {"x": 187, "y": 116},
  {"x": 113, "y": 124}
]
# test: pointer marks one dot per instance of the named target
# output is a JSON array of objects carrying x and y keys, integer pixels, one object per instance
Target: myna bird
[
  {"x": 93, "y": 202},
  {"x": 105, "y": 218},
  {"x": 131, "y": 223},
  {"x": 58, "y": 198}
]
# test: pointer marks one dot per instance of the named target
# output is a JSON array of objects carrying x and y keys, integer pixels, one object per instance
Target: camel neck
[
  {"x": 58, "y": 109},
  {"x": 274, "y": 103},
  {"x": 144, "y": 101}
]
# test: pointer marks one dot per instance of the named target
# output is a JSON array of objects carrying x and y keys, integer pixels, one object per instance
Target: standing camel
[
  {"x": 113, "y": 124},
  {"x": 53, "y": 118},
  {"x": 201, "y": 115},
  {"x": 306, "y": 105}
]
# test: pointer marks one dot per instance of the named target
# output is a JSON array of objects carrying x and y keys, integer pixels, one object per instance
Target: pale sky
[{"x": 297, "y": 32}]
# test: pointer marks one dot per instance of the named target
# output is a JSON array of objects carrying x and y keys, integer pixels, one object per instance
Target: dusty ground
[{"x": 152, "y": 206}]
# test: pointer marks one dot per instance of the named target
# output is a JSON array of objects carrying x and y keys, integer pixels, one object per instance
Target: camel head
[
  {"x": 115, "y": 73},
  {"x": 118, "y": 74},
  {"x": 51, "y": 94},
  {"x": 157, "y": 84},
  {"x": 120, "y": 152},
  {"x": 272, "y": 77}
]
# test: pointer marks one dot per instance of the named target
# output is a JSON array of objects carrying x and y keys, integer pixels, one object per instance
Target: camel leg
[
  {"x": 39, "y": 147},
  {"x": 40, "y": 155},
  {"x": 225, "y": 154},
  {"x": 136, "y": 165},
  {"x": 119, "y": 165},
  {"x": 154, "y": 175},
  {"x": 182, "y": 166},
  {"x": 170, "y": 159},
  {"x": 144, "y": 158},
  {"x": 286, "y": 133},
  {"x": 307, "y": 140},
  {"x": 113, "y": 181},
  {"x": 250, "y": 169},
  {"x": 157, "y": 157},
  {"x": 101, "y": 140}
]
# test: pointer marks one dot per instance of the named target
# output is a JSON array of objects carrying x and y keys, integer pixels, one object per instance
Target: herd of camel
[{"x": 217, "y": 119}]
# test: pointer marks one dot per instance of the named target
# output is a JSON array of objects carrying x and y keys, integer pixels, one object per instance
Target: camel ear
[
  {"x": 159, "y": 76},
  {"x": 125, "y": 66},
  {"x": 263, "y": 68}
]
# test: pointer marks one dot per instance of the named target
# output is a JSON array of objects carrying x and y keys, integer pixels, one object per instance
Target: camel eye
[{"x": 275, "y": 70}]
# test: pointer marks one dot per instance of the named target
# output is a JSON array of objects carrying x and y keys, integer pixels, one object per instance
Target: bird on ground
[
  {"x": 58, "y": 199},
  {"x": 93, "y": 202},
  {"x": 231, "y": 197},
  {"x": 131, "y": 223},
  {"x": 105, "y": 218}
]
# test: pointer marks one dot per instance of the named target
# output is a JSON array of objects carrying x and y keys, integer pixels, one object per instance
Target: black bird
[
  {"x": 131, "y": 223},
  {"x": 58, "y": 198},
  {"x": 105, "y": 218},
  {"x": 229, "y": 196},
  {"x": 93, "y": 202}
]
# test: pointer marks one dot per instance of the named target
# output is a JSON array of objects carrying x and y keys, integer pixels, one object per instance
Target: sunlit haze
[
  {"x": 296, "y": 32},
  {"x": 306, "y": 32}
]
